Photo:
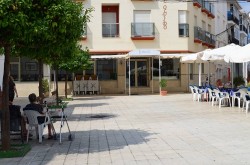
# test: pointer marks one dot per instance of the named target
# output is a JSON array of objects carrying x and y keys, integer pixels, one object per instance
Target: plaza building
[{"x": 133, "y": 42}]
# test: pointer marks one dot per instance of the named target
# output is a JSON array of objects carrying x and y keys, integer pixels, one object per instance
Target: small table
[{"x": 56, "y": 113}]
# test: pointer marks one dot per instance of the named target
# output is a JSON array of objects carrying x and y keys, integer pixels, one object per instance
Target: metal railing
[
  {"x": 110, "y": 29},
  {"x": 199, "y": 1},
  {"x": 197, "y": 33},
  {"x": 232, "y": 17},
  {"x": 142, "y": 29}
]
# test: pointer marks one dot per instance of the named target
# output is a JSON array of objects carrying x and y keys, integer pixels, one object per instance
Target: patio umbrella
[
  {"x": 239, "y": 55},
  {"x": 194, "y": 58},
  {"x": 218, "y": 54}
]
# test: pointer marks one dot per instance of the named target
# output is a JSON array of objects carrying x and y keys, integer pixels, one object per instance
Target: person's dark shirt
[
  {"x": 11, "y": 87},
  {"x": 14, "y": 111},
  {"x": 34, "y": 107}
]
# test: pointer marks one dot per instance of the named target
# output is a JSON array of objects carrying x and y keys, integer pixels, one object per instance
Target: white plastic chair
[
  {"x": 200, "y": 93},
  {"x": 246, "y": 101},
  {"x": 215, "y": 96},
  {"x": 223, "y": 98},
  {"x": 239, "y": 96},
  {"x": 193, "y": 91},
  {"x": 210, "y": 94},
  {"x": 33, "y": 122}
]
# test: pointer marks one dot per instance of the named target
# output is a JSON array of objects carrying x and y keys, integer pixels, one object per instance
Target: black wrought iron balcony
[
  {"x": 84, "y": 35},
  {"x": 110, "y": 29},
  {"x": 244, "y": 29},
  {"x": 208, "y": 39},
  {"x": 232, "y": 17},
  {"x": 197, "y": 34},
  {"x": 142, "y": 31}
]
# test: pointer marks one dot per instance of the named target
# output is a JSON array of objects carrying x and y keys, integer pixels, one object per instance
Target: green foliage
[
  {"x": 80, "y": 60},
  {"x": 163, "y": 83},
  {"x": 45, "y": 85},
  {"x": 17, "y": 150},
  {"x": 238, "y": 81}
]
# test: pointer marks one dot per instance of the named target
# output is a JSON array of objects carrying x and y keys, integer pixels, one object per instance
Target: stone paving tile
[{"x": 147, "y": 129}]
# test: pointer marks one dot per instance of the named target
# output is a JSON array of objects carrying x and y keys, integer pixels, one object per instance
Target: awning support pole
[
  {"x": 159, "y": 74},
  {"x": 152, "y": 75},
  {"x": 129, "y": 76},
  {"x": 125, "y": 76}
]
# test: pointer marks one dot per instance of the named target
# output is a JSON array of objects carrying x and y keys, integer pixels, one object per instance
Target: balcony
[
  {"x": 243, "y": 29},
  {"x": 232, "y": 17},
  {"x": 232, "y": 39},
  {"x": 84, "y": 35},
  {"x": 205, "y": 7},
  {"x": 110, "y": 30},
  {"x": 208, "y": 39},
  {"x": 142, "y": 31},
  {"x": 197, "y": 34},
  {"x": 197, "y": 3}
]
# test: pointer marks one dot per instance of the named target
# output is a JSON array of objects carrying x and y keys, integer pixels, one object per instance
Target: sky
[{"x": 245, "y": 6}]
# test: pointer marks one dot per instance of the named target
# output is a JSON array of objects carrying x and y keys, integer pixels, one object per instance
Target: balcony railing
[
  {"x": 197, "y": 34},
  {"x": 208, "y": 39},
  {"x": 232, "y": 17},
  {"x": 110, "y": 29},
  {"x": 84, "y": 35},
  {"x": 197, "y": 3},
  {"x": 183, "y": 30},
  {"x": 243, "y": 28},
  {"x": 142, "y": 29}
]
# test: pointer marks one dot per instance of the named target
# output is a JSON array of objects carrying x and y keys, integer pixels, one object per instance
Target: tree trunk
[
  {"x": 57, "y": 96},
  {"x": 40, "y": 79},
  {"x": 66, "y": 83},
  {"x": 5, "y": 122}
]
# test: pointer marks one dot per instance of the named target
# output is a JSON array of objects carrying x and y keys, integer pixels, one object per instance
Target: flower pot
[{"x": 164, "y": 93}]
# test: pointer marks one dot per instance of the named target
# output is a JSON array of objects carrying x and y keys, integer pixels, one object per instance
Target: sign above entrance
[{"x": 144, "y": 52}]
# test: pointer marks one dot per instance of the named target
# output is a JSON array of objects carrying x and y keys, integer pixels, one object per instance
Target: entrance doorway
[{"x": 138, "y": 73}]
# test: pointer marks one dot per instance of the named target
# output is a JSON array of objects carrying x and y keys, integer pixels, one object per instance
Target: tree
[
  {"x": 41, "y": 30},
  {"x": 12, "y": 22},
  {"x": 79, "y": 61}
]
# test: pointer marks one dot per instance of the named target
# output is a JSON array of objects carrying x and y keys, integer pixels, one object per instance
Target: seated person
[
  {"x": 39, "y": 108},
  {"x": 228, "y": 84}
]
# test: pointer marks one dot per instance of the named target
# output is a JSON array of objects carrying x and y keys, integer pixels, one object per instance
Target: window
[
  {"x": 169, "y": 68},
  {"x": 183, "y": 24},
  {"x": 209, "y": 28},
  {"x": 110, "y": 21},
  {"x": 29, "y": 69},
  {"x": 142, "y": 25},
  {"x": 106, "y": 69},
  {"x": 195, "y": 21}
]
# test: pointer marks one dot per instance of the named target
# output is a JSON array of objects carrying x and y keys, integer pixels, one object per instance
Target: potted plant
[
  {"x": 45, "y": 87},
  {"x": 163, "y": 85},
  {"x": 238, "y": 81}
]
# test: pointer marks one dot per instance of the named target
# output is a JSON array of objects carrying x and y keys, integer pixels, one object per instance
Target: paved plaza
[{"x": 146, "y": 130}]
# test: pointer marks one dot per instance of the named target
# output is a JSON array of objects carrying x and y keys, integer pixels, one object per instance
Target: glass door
[
  {"x": 141, "y": 73},
  {"x": 138, "y": 73}
]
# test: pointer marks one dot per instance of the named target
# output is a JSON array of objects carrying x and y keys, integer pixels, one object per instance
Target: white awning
[
  {"x": 173, "y": 55},
  {"x": 144, "y": 53},
  {"x": 108, "y": 56}
]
